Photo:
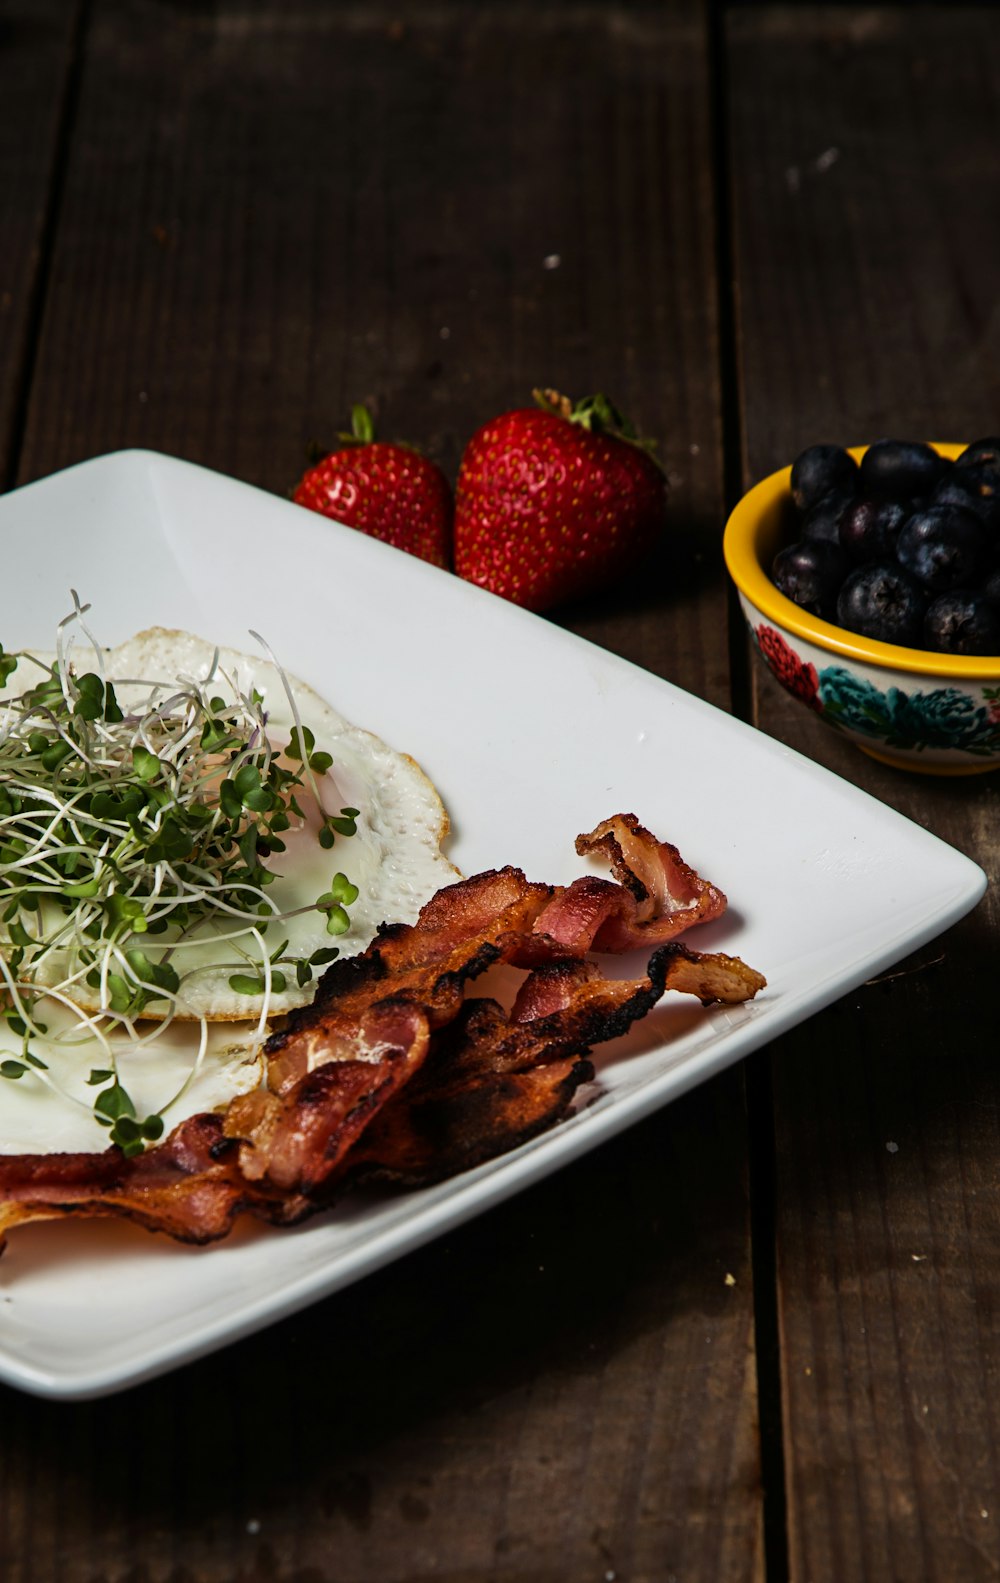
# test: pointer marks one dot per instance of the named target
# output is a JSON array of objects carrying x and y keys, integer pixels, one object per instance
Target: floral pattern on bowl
[{"x": 945, "y": 724}]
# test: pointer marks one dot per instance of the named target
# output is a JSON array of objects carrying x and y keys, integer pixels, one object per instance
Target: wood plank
[
  {"x": 867, "y": 223},
  {"x": 426, "y": 243},
  {"x": 37, "y": 51},
  {"x": 268, "y": 214}
]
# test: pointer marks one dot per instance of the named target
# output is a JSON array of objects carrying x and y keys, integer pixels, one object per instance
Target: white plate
[{"x": 531, "y": 736}]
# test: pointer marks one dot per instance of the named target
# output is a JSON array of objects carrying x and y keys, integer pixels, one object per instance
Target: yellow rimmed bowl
[{"x": 918, "y": 710}]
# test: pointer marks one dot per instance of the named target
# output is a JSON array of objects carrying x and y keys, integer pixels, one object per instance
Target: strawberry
[
  {"x": 384, "y": 489},
  {"x": 555, "y": 501}
]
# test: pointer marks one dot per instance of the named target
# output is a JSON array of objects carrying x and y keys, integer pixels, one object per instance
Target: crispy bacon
[
  {"x": 463, "y": 930},
  {"x": 494, "y": 1079},
  {"x": 656, "y": 898},
  {"x": 391, "y": 1073},
  {"x": 172, "y": 1188},
  {"x": 264, "y": 1154},
  {"x": 712, "y": 976}
]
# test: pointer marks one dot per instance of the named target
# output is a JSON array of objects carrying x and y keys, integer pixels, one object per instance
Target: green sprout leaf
[
  {"x": 301, "y": 743},
  {"x": 253, "y": 983},
  {"x": 112, "y": 1103},
  {"x": 56, "y": 755},
  {"x": 83, "y": 890},
  {"x": 342, "y": 889},
  {"x": 246, "y": 983},
  {"x": 347, "y": 823},
  {"x": 325, "y": 954},
  {"x": 145, "y": 764},
  {"x": 132, "y": 1135},
  {"x": 334, "y": 903},
  {"x": 126, "y": 912}
]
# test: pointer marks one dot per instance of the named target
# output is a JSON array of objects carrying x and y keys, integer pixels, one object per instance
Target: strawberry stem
[
  {"x": 598, "y": 415},
  {"x": 362, "y": 430},
  {"x": 552, "y": 401},
  {"x": 362, "y": 427}
]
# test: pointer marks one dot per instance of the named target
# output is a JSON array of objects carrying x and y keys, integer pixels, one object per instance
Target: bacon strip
[
  {"x": 265, "y": 1155},
  {"x": 494, "y": 1080},
  {"x": 657, "y": 896},
  {"x": 178, "y": 1187},
  {"x": 391, "y": 1073},
  {"x": 463, "y": 930},
  {"x": 712, "y": 976}
]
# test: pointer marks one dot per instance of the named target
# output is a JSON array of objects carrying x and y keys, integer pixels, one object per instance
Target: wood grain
[
  {"x": 278, "y": 214},
  {"x": 37, "y": 53},
  {"x": 867, "y": 224},
  {"x": 268, "y": 213}
]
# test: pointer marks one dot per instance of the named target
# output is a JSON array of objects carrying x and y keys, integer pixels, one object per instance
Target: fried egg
[
  {"x": 394, "y": 859},
  {"x": 53, "y": 1113}
]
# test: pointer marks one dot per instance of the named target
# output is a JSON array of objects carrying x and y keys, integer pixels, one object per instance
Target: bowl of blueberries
[{"x": 870, "y": 582}]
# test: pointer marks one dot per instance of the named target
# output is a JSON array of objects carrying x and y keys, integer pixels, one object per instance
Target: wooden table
[{"x": 756, "y": 226}]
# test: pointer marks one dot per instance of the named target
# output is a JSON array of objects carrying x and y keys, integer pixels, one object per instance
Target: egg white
[
  {"x": 38, "y": 1119},
  {"x": 394, "y": 859}
]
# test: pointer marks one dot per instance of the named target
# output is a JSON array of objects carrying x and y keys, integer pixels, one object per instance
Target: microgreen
[
  {"x": 8, "y": 665},
  {"x": 124, "y": 828}
]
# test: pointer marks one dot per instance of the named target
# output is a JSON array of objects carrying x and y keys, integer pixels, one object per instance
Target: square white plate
[{"x": 531, "y": 736}]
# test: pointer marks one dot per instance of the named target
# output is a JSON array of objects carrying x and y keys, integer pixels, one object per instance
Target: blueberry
[
  {"x": 981, "y": 453},
  {"x": 990, "y": 585},
  {"x": 973, "y": 490},
  {"x": 810, "y": 572},
  {"x": 823, "y": 520},
  {"x": 962, "y": 622},
  {"x": 982, "y": 486},
  {"x": 822, "y": 470},
  {"x": 900, "y": 468},
  {"x": 870, "y": 528},
  {"x": 944, "y": 546},
  {"x": 883, "y": 601}
]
